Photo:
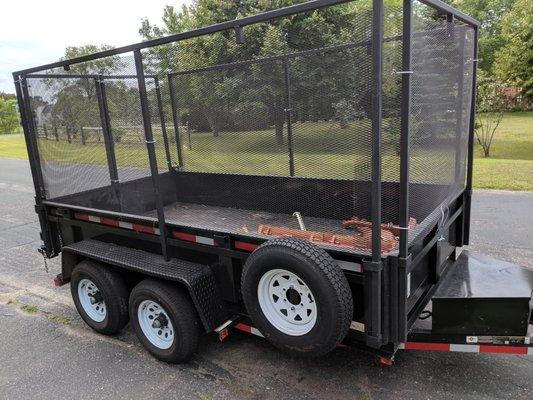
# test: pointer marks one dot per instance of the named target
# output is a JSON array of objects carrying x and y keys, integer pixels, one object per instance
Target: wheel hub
[
  {"x": 155, "y": 324},
  {"x": 287, "y": 302},
  {"x": 91, "y": 300}
]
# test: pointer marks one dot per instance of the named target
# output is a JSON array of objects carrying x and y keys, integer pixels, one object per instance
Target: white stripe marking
[
  {"x": 126, "y": 225},
  {"x": 465, "y": 348},
  {"x": 349, "y": 266},
  {"x": 157, "y": 231},
  {"x": 256, "y": 332},
  {"x": 205, "y": 240},
  {"x": 530, "y": 351},
  {"x": 92, "y": 218}
]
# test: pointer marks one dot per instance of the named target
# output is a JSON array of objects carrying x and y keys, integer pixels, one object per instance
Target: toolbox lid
[{"x": 479, "y": 276}]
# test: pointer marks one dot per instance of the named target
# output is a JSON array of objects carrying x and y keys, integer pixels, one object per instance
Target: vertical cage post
[
  {"x": 377, "y": 80},
  {"x": 373, "y": 268},
  {"x": 471, "y": 128},
  {"x": 175, "y": 118},
  {"x": 288, "y": 113},
  {"x": 26, "y": 118},
  {"x": 162, "y": 121},
  {"x": 459, "y": 109},
  {"x": 109, "y": 142},
  {"x": 405, "y": 125},
  {"x": 150, "y": 146}
]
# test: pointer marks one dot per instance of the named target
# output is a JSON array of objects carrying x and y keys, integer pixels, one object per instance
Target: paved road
[{"x": 47, "y": 352}]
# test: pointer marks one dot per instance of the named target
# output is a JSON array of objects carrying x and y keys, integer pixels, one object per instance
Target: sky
[{"x": 36, "y": 32}]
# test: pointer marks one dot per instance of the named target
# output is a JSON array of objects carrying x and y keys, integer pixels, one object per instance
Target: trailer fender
[{"x": 197, "y": 278}]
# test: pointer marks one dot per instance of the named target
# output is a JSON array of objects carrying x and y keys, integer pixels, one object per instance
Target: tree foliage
[
  {"x": 8, "y": 116},
  {"x": 491, "y": 104},
  {"x": 322, "y": 84},
  {"x": 514, "y": 60},
  {"x": 491, "y": 14}
]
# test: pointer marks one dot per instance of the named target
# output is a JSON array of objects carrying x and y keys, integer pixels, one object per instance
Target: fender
[{"x": 197, "y": 278}]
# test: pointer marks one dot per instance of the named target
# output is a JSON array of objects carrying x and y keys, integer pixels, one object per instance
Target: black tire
[
  {"x": 324, "y": 278},
  {"x": 113, "y": 290},
  {"x": 178, "y": 306}
]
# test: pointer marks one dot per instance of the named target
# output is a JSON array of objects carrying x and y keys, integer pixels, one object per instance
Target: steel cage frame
[{"x": 372, "y": 267}]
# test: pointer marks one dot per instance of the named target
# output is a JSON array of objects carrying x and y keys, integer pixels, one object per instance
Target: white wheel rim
[
  {"x": 91, "y": 300},
  {"x": 287, "y": 302},
  {"x": 155, "y": 324}
]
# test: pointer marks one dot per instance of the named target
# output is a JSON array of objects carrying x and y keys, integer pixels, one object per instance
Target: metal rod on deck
[{"x": 150, "y": 145}]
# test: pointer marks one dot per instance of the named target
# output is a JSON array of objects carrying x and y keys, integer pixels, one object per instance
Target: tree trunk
[
  {"x": 213, "y": 123},
  {"x": 279, "y": 131}
]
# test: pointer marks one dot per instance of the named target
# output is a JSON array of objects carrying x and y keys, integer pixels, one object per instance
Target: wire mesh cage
[{"x": 290, "y": 127}]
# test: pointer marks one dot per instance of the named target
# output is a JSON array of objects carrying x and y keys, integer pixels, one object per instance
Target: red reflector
[
  {"x": 57, "y": 282},
  {"x": 487, "y": 348},
  {"x": 243, "y": 327},
  {"x": 245, "y": 246},
  {"x": 184, "y": 236}
]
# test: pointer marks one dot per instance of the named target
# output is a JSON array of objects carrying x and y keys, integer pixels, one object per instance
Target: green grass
[
  {"x": 31, "y": 309},
  {"x": 13, "y": 146},
  {"x": 510, "y": 165},
  {"x": 322, "y": 150}
]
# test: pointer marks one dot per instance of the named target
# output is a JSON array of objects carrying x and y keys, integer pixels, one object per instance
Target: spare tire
[{"x": 297, "y": 296}]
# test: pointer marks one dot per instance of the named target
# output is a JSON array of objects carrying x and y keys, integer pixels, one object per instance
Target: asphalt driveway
[{"x": 47, "y": 352}]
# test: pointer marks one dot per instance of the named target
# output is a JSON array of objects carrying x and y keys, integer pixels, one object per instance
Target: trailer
[{"x": 308, "y": 181}]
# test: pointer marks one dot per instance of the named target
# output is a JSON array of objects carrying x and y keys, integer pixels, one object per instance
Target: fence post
[
  {"x": 162, "y": 119},
  {"x": 108, "y": 138},
  {"x": 288, "y": 113},
  {"x": 175, "y": 119},
  {"x": 150, "y": 145},
  {"x": 399, "y": 313}
]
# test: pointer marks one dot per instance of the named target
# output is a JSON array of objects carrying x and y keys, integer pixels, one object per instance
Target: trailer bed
[{"x": 236, "y": 220}]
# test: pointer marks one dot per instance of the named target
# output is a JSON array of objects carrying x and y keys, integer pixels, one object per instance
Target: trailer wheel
[
  {"x": 164, "y": 320},
  {"x": 100, "y": 296},
  {"x": 297, "y": 296}
]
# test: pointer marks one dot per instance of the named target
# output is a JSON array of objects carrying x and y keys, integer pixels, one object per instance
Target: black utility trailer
[{"x": 304, "y": 174}]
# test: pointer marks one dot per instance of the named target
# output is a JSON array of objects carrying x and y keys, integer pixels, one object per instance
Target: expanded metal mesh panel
[
  {"x": 392, "y": 48},
  {"x": 127, "y": 128},
  {"x": 67, "y": 126},
  {"x": 440, "y": 111},
  {"x": 232, "y": 119}
]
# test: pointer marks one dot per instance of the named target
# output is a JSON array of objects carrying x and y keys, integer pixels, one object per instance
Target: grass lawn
[
  {"x": 321, "y": 149},
  {"x": 510, "y": 165}
]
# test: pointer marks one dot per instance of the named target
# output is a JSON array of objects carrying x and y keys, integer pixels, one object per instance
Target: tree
[
  {"x": 490, "y": 13},
  {"x": 8, "y": 116},
  {"x": 7, "y": 96},
  {"x": 514, "y": 61},
  {"x": 220, "y": 94},
  {"x": 491, "y": 104},
  {"x": 73, "y": 103}
]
